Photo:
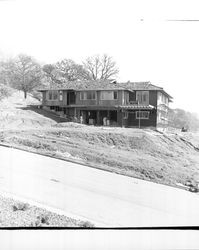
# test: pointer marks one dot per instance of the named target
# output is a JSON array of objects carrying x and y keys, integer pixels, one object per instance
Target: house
[{"x": 129, "y": 104}]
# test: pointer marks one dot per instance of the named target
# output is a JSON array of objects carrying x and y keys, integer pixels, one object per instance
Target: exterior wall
[
  {"x": 64, "y": 103},
  {"x": 43, "y": 97},
  {"x": 152, "y": 97},
  {"x": 124, "y": 97},
  {"x": 47, "y": 102},
  {"x": 98, "y": 101},
  {"x": 162, "y": 110},
  {"x": 133, "y": 122},
  {"x": 85, "y": 102},
  {"x": 120, "y": 119},
  {"x": 118, "y": 101}
]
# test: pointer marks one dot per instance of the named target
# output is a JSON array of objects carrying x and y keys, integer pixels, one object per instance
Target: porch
[{"x": 99, "y": 117}]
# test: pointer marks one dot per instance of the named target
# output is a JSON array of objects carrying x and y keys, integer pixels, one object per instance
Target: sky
[
  {"x": 136, "y": 33},
  {"x": 100, "y": 240}
]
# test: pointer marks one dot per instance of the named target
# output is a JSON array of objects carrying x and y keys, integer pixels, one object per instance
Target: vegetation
[
  {"x": 17, "y": 214},
  {"x": 179, "y": 118},
  {"x": 102, "y": 68},
  {"x": 20, "y": 206},
  {"x": 166, "y": 158},
  {"x": 5, "y": 91},
  {"x": 22, "y": 73}
]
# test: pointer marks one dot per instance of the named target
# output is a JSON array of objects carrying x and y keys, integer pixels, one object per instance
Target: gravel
[{"x": 14, "y": 213}]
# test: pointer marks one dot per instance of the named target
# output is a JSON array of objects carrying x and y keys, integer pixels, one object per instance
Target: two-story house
[{"x": 130, "y": 104}]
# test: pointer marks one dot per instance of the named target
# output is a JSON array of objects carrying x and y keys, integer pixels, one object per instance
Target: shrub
[
  {"x": 20, "y": 207},
  {"x": 86, "y": 224},
  {"x": 40, "y": 221}
]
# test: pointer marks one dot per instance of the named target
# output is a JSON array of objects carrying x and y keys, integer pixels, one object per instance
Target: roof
[
  {"x": 137, "y": 107},
  {"x": 106, "y": 85}
]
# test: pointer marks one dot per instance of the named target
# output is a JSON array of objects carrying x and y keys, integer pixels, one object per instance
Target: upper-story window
[
  {"x": 88, "y": 95},
  {"x": 163, "y": 98},
  {"x": 109, "y": 95},
  {"x": 52, "y": 95},
  {"x": 142, "y": 97}
]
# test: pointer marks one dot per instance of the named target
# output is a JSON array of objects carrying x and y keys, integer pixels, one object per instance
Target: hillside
[
  {"x": 168, "y": 158},
  {"x": 14, "y": 113}
]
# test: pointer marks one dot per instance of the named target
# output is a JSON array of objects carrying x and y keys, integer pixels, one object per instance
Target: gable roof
[{"x": 107, "y": 85}]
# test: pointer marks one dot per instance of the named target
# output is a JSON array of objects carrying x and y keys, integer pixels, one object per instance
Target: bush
[
  {"x": 40, "y": 221},
  {"x": 20, "y": 207},
  {"x": 86, "y": 224}
]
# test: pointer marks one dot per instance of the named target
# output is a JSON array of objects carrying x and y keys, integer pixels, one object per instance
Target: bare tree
[
  {"x": 23, "y": 73},
  {"x": 102, "y": 68}
]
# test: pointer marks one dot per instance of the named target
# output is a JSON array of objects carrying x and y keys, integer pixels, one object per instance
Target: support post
[
  {"x": 139, "y": 118},
  {"x": 98, "y": 117}
]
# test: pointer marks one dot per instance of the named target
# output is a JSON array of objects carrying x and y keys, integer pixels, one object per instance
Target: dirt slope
[
  {"x": 167, "y": 158},
  {"x": 14, "y": 113}
]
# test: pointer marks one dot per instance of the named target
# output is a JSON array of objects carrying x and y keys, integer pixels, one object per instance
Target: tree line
[
  {"x": 179, "y": 118},
  {"x": 26, "y": 74}
]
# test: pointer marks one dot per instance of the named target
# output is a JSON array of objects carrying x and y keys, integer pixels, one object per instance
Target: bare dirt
[
  {"x": 18, "y": 214},
  {"x": 167, "y": 158}
]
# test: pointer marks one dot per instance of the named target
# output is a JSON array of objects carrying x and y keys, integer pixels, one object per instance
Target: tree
[
  {"x": 65, "y": 70},
  {"x": 71, "y": 71},
  {"x": 52, "y": 74},
  {"x": 5, "y": 71},
  {"x": 179, "y": 118},
  {"x": 24, "y": 73},
  {"x": 5, "y": 91},
  {"x": 101, "y": 68}
]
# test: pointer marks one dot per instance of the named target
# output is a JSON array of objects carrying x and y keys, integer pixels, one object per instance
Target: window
[
  {"x": 52, "y": 95},
  {"x": 109, "y": 95},
  {"x": 115, "y": 95},
  {"x": 142, "y": 97},
  {"x": 55, "y": 95},
  {"x": 61, "y": 95},
  {"x": 89, "y": 95},
  {"x": 126, "y": 115},
  {"x": 142, "y": 114}
]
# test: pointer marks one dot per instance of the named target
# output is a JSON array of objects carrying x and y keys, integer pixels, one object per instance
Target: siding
[
  {"x": 133, "y": 122},
  {"x": 47, "y": 102},
  {"x": 99, "y": 102},
  {"x": 152, "y": 97}
]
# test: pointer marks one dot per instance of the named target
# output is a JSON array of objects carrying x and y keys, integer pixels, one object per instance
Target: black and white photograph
[{"x": 99, "y": 123}]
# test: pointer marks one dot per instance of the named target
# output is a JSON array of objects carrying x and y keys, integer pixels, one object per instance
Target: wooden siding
[
  {"x": 98, "y": 101},
  {"x": 85, "y": 102},
  {"x": 123, "y": 97},
  {"x": 152, "y": 97},
  {"x": 47, "y": 102},
  {"x": 133, "y": 122}
]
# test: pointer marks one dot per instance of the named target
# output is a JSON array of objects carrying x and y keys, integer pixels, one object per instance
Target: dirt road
[{"x": 109, "y": 199}]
